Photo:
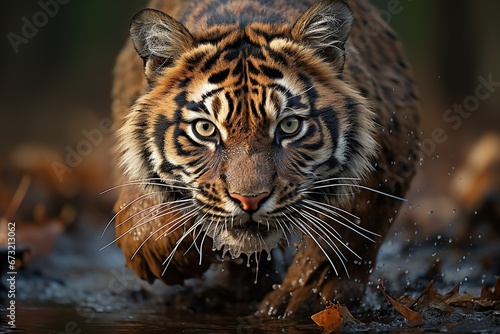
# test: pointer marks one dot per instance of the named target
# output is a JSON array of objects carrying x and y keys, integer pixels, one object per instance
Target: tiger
[{"x": 245, "y": 127}]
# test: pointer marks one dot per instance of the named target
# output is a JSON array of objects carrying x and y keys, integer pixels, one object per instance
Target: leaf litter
[{"x": 336, "y": 317}]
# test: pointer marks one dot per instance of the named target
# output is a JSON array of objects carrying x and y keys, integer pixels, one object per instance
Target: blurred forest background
[{"x": 57, "y": 85}]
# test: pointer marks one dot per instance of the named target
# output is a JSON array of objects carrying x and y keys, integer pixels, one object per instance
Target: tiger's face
[{"x": 252, "y": 126}]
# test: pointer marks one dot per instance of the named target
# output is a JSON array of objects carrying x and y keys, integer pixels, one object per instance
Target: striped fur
[{"x": 243, "y": 71}]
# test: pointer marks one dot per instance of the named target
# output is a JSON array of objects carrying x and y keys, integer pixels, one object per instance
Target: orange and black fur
[{"x": 240, "y": 123}]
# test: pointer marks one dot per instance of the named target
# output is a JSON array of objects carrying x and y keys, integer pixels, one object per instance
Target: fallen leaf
[
  {"x": 332, "y": 318},
  {"x": 496, "y": 291},
  {"x": 454, "y": 292},
  {"x": 489, "y": 298},
  {"x": 466, "y": 300},
  {"x": 413, "y": 317},
  {"x": 427, "y": 295}
]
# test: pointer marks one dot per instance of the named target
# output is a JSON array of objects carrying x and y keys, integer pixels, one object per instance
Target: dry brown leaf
[
  {"x": 496, "y": 292},
  {"x": 428, "y": 295},
  {"x": 489, "y": 298},
  {"x": 454, "y": 292},
  {"x": 486, "y": 293},
  {"x": 413, "y": 317},
  {"x": 332, "y": 318},
  {"x": 466, "y": 300}
]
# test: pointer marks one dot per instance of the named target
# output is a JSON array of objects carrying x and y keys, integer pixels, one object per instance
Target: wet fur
[{"x": 371, "y": 143}]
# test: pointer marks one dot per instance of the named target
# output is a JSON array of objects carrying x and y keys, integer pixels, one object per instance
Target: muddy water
[
  {"x": 53, "y": 318},
  {"x": 57, "y": 318},
  {"x": 79, "y": 289}
]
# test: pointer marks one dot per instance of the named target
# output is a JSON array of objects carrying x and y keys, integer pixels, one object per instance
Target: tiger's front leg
[
  {"x": 149, "y": 235},
  {"x": 311, "y": 280}
]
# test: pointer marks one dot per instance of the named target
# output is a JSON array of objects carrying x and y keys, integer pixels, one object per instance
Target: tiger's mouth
[{"x": 250, "y": 238}]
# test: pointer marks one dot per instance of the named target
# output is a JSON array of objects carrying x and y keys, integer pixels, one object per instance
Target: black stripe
[
  {"x": 332, "y": 124},
  {"x": 271, "y": 72},
  {"x": 180, "y": 99},
  {"x": 238, "y": 69},
  {"x": 277, "y": 57},
  {"x": 312, "y": 94},
  {"x": 232, "y": 54},
  {"x": 251, "y": 67},
  {"x": 195, "y": 60},
  {"x": 305, "y": 156},
  {"x": 230, "y": 105},
  {"x": 262, "y": 111},
  {"x": 201, "y": 169},
  {"x": 219, "y": 77},
  {"x": 254, "y": 82},
  {"x": 140, "y": 136},
  {"x": 212, "y": 92},
  {"x": 264, "y": 33},
  {"x": 160, "y": 128},
  {"x": 253, "y": 107},
  {"x": 178, "y": 133},
  {"x": 196, "y": 106},
  {"x": 214, "y": 38},
  {"x": 210, "y": 62}
]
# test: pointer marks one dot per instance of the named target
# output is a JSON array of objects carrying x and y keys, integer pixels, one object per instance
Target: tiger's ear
[
  {"x": 325, "y": 27},
  {"x": 158, "y": 39}
]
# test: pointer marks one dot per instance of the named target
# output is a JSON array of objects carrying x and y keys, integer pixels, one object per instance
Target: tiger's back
[{"x": 242, "y": 66}]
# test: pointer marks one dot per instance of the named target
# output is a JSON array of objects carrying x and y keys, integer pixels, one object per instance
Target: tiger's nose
[{"x": 250, "y": 203}]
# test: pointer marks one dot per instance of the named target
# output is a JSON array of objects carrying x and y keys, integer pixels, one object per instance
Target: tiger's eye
[
  {"x": 289, "y": 125},
  {"x": 204, "y": 128}
]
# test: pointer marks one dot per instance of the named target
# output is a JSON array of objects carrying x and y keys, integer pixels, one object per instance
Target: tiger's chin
[{"x": 247, "y": 240}]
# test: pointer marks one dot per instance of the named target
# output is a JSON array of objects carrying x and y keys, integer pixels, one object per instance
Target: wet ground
[{"x": 79, "y": 289}]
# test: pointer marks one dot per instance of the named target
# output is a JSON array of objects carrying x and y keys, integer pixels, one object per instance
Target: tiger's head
[{"x": 252, "y": 126}]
